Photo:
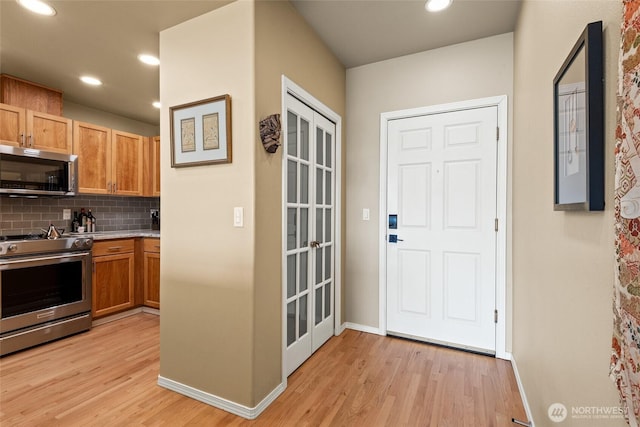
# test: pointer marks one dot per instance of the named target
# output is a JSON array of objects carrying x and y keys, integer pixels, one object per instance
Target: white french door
[
  {"x": 309, "y": 244},
  {"x": 441, "y": 231}
]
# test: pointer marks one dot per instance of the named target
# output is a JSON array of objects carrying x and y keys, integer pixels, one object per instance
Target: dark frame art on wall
[
  {"x": 201, "y": 132},
  {"x": 578, "y": 118}
]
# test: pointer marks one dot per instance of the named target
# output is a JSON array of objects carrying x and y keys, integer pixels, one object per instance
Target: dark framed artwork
[
  {"x": 201, "y": 132},
  {"x": 579, "y": 125}
]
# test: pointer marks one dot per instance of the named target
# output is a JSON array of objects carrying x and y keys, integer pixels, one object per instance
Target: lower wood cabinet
[
  {"x": 113, "y": 277},
  {"x": 152, "y": 272},
  {"x": 126, "y": 274}
]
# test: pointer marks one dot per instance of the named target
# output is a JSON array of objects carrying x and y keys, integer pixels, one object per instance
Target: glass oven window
[{"x": 32, "y": 288}]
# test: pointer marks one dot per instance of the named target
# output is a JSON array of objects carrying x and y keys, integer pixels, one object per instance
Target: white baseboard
[
  {"x": 219, "y": 402},
  {"x": 340, "y": 329},
  {"x": 364, "y": 328},
  {"x": 523, "y": 395}
]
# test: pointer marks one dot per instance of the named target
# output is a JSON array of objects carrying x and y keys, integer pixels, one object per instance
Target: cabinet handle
[
  {"x": 115, "y": 187},
  {"x": 30, "y": 140},
  {"x": 158, "y": 246},
  {"x": 114, "y": 248},
  {"x": 22, "y": 139}
]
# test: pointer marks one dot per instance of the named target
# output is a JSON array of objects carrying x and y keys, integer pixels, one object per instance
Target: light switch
[
  {"x": 66, "y": 213},
  {"x": 238, "y": 217},
  {"x": 366, "y": 216}
]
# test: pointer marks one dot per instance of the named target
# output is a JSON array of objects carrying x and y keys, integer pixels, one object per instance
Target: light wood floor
[{"x": 108, "y": 377}]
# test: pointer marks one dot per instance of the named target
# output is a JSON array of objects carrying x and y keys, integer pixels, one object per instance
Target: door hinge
[
  {"x": 495, "y": 316},
  {"x": 496, "y": 224},
  {"x": 497, "y": 133}
]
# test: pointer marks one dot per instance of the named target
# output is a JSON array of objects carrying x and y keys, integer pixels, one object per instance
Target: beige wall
[
  {"x": 563, "y": 262},
  {"x": 97, "y": 117},
  {"x": 285, "y": 44},
  {"x": 207, "y": 265},
  {"x": 477, "y": 69},
  {"x": 221, "y": 287}
]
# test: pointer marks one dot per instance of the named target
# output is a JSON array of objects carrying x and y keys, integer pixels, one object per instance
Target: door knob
[
  {"x": 393, "y": 238},
  {"x": 314, "y": 244}
]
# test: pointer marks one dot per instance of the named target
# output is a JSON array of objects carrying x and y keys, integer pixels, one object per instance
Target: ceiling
[{"x": 104, "y": 37}]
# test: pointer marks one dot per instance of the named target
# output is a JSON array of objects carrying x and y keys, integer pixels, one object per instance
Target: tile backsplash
[{"x": 113, "y": 213}]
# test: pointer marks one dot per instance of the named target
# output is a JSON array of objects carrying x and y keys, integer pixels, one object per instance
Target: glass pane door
[
  {"x": 298, "y": 295},
  {"x": 323, "y": 231},
  {"x": 309, "y": 221}
]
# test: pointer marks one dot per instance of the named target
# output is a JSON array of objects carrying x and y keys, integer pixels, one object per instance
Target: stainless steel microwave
[{"x": 31, "y": 173}]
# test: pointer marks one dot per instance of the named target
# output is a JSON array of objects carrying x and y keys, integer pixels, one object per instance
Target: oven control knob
[
  {"x": 12, "y": 248},
  {"x": 87, "y": 242}
]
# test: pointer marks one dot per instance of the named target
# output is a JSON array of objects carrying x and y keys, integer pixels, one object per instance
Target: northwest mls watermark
[{"x": 557, "y": 412}]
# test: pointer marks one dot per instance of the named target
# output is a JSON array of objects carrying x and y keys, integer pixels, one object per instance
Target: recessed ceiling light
[
  {"x": 37, "y": 6},
  {"x": 437, "y": 5},
  {"x": 91, "y": 80},
  {"x": 148, "y": 59},
  {"x": 156, "y": 104}
]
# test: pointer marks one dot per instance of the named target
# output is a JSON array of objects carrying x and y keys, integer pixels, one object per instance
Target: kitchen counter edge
[{"x": 124, "y": 234}]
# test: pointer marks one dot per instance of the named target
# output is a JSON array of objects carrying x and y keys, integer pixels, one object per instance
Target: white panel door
[
  {"x": 309, "y": 242},
  {"x": 441, "y": 244}
]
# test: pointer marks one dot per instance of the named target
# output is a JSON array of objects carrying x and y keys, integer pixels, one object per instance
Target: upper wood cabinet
[
  {"x": 49, "y": 132},
  {"x": 127, "y": 157},
  {"x": 12, "y": 125},
  {"x": 92, "y": 144},
  {"x": 109, "y": 161},
  {"x": 29, "y": 95},
  {"x": 152, "y": 166},
  {"x": 31, "y": 129}
]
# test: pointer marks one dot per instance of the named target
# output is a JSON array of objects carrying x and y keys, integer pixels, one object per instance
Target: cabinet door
[
  {"x": 12, "y": 125},
  {"x": 155, "y": 161},
  {"x": 127, "y": 163},
  {"x": 113, "y": 279},
  {"x": 92, "y": 144},
  {"x": 49, "y": 132},
  {"x": 30, "y": 95},
  {"x": 152, "y": 279}
]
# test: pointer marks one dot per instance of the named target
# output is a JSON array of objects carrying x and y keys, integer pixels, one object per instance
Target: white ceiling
[
  {"x": 364, "y": 31},
  {"x": 104, "y": 37}
]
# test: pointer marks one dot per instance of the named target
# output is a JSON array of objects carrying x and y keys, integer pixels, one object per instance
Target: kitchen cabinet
[
  {"x": 152, "y": 167},
  {"x": 152, "y": 272},
  {"x": 31, "y": 129},
  {"x": 29, "y": 95},
  {"x": 127, "y": 156},
  {"x": 113, "y": 276},
  {"x": 92, "y": 144},
  {"x": 12, "y": 125},
  {"x": 109, "y": 161}
]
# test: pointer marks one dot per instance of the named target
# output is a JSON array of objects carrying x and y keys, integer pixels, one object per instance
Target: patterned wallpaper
[{"x": 113, "y": 213}]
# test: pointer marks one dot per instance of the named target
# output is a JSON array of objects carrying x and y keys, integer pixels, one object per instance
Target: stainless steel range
[{"x": 45, "y": 289}]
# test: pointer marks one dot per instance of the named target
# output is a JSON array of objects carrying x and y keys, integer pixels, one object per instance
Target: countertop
[{"x": 123, "y": 234}]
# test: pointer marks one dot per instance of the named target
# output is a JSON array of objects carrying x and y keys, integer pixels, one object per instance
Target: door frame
[
  {"x": 501, "y": 244},
  {"x": 289, "y": 87}
]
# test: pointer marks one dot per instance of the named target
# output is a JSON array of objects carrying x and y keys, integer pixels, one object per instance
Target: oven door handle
[{"x": 42, "y": 259}]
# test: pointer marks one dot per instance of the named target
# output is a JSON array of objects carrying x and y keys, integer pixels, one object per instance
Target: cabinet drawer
[
  {"x": 151, "y": 245},
  {"x": 110, "y": 247}
]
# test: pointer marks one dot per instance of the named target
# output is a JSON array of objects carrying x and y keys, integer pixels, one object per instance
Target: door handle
[
  {"x": 393, "y": 238},
  {"x": 314, "y": 244}
]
